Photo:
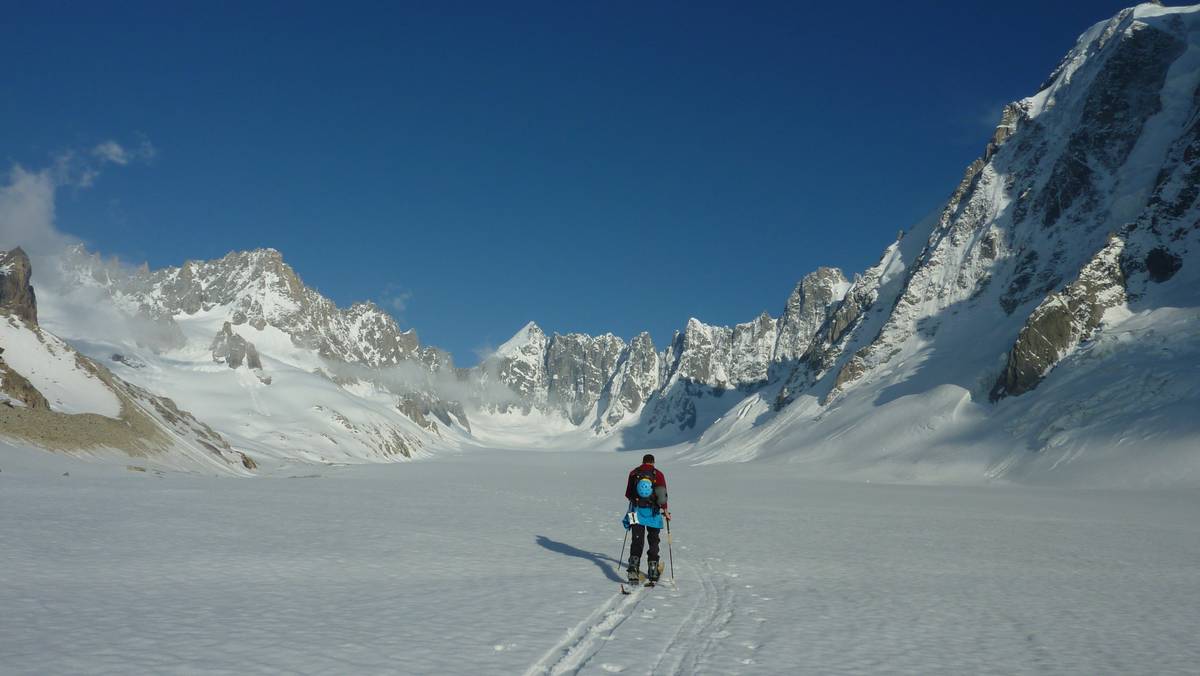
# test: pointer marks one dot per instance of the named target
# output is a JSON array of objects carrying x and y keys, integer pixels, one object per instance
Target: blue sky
[{"x": 590, "y": 166}]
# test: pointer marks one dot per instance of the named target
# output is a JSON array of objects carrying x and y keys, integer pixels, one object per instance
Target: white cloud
[
  {"x": 413, "y": 377},
  {"x": 112, "y": 152},
  {"x": 27, "y": 212},
  {"x": 399, "y": 303},
  {"x": 396, "y": 298}
]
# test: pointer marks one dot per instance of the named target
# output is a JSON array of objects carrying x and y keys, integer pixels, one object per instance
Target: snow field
[{"x": 505, "y": 562}]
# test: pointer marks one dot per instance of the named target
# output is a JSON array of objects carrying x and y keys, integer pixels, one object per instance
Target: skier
[{"x": 646, "y": 491}]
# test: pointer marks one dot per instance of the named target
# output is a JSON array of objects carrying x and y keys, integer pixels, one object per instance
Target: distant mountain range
[{"x": 1044, "y": 324}]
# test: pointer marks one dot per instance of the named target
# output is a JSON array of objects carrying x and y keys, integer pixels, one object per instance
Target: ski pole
[
  {"x": 621, "y": 558},
  {"x": 671, "y": 554}
]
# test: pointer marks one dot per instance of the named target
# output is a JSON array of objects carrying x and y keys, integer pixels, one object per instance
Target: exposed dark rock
[
  {"x": 1062, "y": 320},
  {"x": 808, "y": 309},
  {"x": 231, "y": 349},
  {"x": 415, "y": 409},
  {"x": 987, "y": 247},
  {"x": 1123, "y": 96},
  {"x": 1016, "y": 294},
  {"x": 131, "y": 362},
  {"x": 16, "y": 293},
  {"x": 851, "y": 371},
  {"x": 1162, "y": 265},
  {"x": 19, "y": 388}
]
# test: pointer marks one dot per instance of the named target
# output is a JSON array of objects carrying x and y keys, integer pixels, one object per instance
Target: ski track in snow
[
  {"x": 700, "y": 631},
  {"x": 694, "y": 636},
  {"x": 586, "y": 639}
]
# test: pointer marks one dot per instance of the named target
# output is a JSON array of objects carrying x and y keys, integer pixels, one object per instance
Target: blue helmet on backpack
[{"x": 645, "y": 488}]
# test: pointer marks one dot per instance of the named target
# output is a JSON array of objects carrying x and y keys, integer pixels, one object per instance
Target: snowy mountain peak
[
  {"x": 807, "y": 309},
  {"x": 249, "y": 287},
  {"x": 529, "y": 335}
]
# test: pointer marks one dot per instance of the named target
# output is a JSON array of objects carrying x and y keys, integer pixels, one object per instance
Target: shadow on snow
[{"x": 605, "y": 563}]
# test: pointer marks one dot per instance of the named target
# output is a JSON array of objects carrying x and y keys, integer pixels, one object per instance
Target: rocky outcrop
[
  {"x": 701, "y": 354},
  {"x": 844, "y": 315},
  {"x": 638, "y": 375},
  {"x": 18, "y": 388},
  {"x": 16, "y": 293},
  {"x": 578, "y": 367},
  {"x": 752, "y": 351},
  {"x": 567, "y": 374},
  {"x": 702, "y": 365},
  {"x": 1062, "y": 320},
  {"x": 18, "y": 300},
  {"x": 427, "y": 410},
  {"x": 414, "y": 409},
  {"x": 808, "y": 309},
  {"x": 520, "y": 366},
  {"x": 231, "y": 349}
]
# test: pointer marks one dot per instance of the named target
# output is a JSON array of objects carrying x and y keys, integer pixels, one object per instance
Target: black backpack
[{"x": 658, "y": 497}]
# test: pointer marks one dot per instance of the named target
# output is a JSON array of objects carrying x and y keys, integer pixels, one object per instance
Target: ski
[{"x": 633, "y": 584}]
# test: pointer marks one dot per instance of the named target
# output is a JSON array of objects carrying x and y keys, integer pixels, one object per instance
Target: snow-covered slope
[{"x": 54, "y": 370}]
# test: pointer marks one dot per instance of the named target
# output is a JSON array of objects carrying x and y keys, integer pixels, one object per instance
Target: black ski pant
[{"x": 639, "y": 536}]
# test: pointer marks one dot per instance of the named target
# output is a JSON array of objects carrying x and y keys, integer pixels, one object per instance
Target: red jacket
[{"x": 660, "y": 479}]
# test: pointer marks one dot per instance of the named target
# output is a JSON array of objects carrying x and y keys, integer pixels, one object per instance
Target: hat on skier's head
[
  {"x": 645, "y": 488},
  {"x": 648, "y": 458}
]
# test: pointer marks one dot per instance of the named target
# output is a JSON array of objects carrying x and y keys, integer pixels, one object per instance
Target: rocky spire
[{"x": 16, "y": 293}]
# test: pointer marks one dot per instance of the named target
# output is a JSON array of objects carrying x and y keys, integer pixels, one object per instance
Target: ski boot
[
  {"x": 652, "y": 573},
  {"x": 635, "y": 563}
]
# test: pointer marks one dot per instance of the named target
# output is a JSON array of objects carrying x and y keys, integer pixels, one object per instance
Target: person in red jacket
[{"x": 646, "y": 491}]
